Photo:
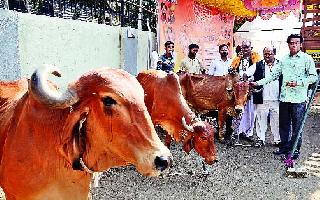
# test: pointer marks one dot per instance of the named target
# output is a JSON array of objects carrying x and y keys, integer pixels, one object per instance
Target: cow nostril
[
  {"x": 162, "y": 162},
  {"x": 211, "y": 162}
]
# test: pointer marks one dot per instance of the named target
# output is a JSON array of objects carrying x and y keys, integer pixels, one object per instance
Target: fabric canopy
[{"x": 273, "y": 32}]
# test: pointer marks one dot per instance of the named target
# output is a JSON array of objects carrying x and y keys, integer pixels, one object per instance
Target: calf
[{"x": 205, "y": 93}]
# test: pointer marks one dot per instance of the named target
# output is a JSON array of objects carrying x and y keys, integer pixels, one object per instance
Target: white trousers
[
  {"x": 247, "y": 119},
  {"x": 262, "y": 111}
]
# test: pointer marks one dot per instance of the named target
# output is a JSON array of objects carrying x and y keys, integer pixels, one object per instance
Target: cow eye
[
  {"x": 203, "y": 138},
  {"x": 108, "y": 101}
]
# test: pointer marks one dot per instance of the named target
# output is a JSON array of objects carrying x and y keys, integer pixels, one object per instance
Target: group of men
[{"x": 282, "y": 87}]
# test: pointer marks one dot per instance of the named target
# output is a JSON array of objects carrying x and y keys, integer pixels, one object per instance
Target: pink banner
[{"x": 186, "y": 22}]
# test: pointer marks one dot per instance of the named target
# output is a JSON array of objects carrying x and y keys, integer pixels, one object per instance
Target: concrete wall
[
  {"x": 29, "y": 41},
  {"x": 74, "y": 46},
  {"x": 130, "y": 44},
  {"x": 143, "y": 51},
  {"x": 9, "y": 62}
]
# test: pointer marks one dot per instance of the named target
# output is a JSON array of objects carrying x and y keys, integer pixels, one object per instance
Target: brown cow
[
  {"x": 206, "y": 93},
  {"x": 51, "y": 143},
  {"x": 169, "y": 109}
]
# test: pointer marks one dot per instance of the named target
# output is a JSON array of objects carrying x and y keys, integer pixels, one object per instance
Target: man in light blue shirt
[
  {"x": 166, "y": 61},
  {"x": 298, "y": 70}
]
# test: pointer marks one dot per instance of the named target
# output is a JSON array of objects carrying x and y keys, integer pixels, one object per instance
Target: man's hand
[
  {"x": 253, "y": 84},
  {"x": 291, "y": 83}
]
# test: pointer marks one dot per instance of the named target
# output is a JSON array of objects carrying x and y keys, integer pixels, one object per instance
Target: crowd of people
[{"x": 281, "y": 85}]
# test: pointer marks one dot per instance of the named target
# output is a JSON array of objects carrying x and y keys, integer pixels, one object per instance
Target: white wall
[{"x": 74, "y": 46}]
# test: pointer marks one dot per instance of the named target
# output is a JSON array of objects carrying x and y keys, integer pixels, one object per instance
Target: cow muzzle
[
  {"x": 163, "y": 162},
  {"x": 239, "y": 109},
  {"x": 210, "y": 161}
]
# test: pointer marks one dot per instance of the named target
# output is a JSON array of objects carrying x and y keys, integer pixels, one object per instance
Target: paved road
[{"x": 241, "y": 173}]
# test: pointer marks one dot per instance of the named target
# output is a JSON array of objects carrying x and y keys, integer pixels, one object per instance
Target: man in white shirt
[
  {"x": 192, "y": 64},
  {"x": 267, "y": 101},
  {"x": 245, "y": 65},
  {"x": 220, "y": 66}
]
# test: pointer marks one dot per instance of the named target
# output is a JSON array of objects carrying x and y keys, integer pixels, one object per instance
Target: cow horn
[
  {"x": 40, "y": 89},
  {"x": 187, "y": 127}
]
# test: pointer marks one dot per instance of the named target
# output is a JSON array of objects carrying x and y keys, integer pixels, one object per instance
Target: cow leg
[
  {"x": 167, "y": 140},
  {"x": 222, "y": 116}
]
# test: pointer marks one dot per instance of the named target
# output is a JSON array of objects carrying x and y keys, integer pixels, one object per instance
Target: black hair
[
  {"x": 168, "y": 43},
  {"x": 223, "y": 45},
  {"x": 294, "y": 36},
  {"x": 191, "y": 46}
]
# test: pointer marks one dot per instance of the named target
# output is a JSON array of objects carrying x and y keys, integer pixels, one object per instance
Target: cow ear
[
  {"x": 73, "y": 144},
  {"x": 187, "y": 143}
]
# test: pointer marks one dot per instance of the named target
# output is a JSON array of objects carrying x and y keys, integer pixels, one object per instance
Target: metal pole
[{"x": 308, "y": 105}]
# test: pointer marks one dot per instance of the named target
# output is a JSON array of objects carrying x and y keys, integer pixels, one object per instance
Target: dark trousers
[
  {"x": 229, "y": 129},
  {"x": 290, "y": 121}
]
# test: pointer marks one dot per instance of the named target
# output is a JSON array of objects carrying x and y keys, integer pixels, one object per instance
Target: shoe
[
  {"x": 295, "y": 155},
  {"x": 250, "y": 139},
  {"x": 280, "y": 152},
  {"x": 242, "y": 136},
  {"x": 259, "y": 143},
  {"x": 276, "y": 144}
]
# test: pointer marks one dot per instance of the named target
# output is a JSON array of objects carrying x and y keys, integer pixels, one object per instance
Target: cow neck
[
  {"x": 189, "y": 89},
  {"x": 185, "y": 134}
]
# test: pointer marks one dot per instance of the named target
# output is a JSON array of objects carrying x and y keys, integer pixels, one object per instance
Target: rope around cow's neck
[
  {"x": 82, "y": 130},
  {"x": 84, "y": 166}
]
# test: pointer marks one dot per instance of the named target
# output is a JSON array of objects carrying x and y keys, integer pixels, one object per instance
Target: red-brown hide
[
  {"x": 206, "y": 93},
  {"x": 40, "y": 144},
  {"x": 167, "y": 106}
]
